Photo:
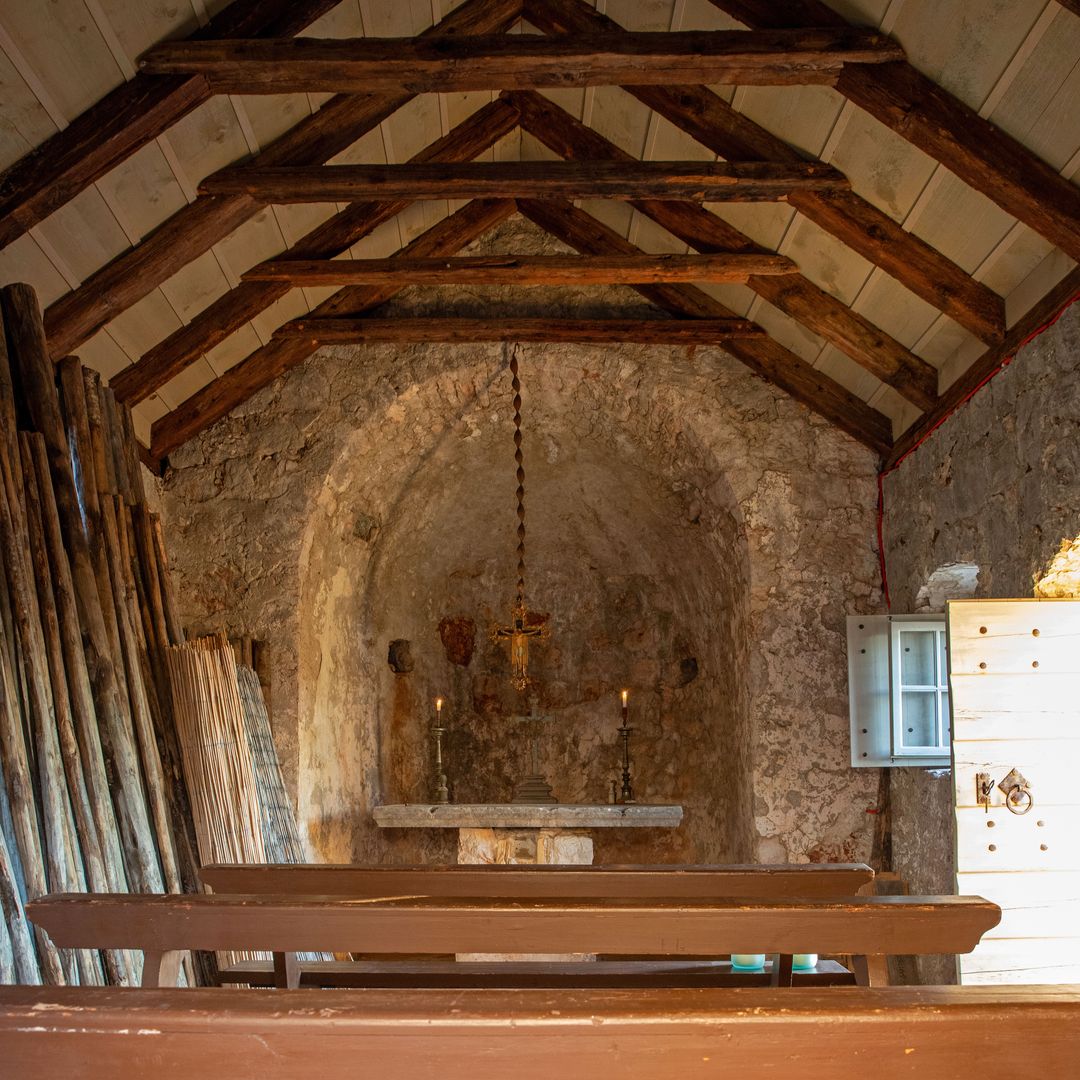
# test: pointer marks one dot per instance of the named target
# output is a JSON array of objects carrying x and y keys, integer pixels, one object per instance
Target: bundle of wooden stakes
[{"x": 92, "y": 797}]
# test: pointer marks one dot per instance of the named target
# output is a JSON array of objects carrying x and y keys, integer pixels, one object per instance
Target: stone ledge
[{"x": 518, "y": 816}]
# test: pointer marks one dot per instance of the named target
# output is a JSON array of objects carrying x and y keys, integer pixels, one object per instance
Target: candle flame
[
  {"x": 625, "y": 697},
  {"x": 438, "y": 704}
]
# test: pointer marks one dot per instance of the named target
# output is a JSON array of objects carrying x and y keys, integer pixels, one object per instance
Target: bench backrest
[
  {"x": 754, "y": 1034},
  {"x": 394, "y": 925},
  {"x": 646, "y": 882}
]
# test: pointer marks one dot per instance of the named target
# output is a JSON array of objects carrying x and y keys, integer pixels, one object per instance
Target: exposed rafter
[
  {"x": 281, "y": 354},
  {"x": 521, "y": 270},
  {"x": 337, "y": 234},
  {"x": 700, "y": 181},
  {"x": 382, "y": 65},
  {"x": 708, "y": 118},
  {"x": 129, "y": 117},
  {"x": 791, "y": 293},
  {"x": 190, "y": 232},
  {"x": 765, "y": 357},
  {"x": 940, "y": 125},
  {"x": 498, "y": 327}
]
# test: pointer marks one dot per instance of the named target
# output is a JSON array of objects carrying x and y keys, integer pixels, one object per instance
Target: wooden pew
[
  {"x": 899, "y": 1033},
  {"x": 164, "y": 926},
  {"x": 809, "y": 881}
]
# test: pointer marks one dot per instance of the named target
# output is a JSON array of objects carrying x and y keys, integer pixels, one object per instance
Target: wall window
[{"x": 898, "y": 690}]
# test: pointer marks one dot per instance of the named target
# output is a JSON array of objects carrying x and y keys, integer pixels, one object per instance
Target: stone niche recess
[{"x": 693, "y": 535}]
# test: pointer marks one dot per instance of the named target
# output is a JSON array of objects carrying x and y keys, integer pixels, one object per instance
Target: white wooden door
[{"x": 1015, "y": 689}]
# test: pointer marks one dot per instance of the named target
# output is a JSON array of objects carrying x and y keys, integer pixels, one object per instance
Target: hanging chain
[{"x": 519, "y": 457}]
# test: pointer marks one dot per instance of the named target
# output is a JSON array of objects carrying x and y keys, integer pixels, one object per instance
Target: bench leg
[
  {"x": 871, "y": 970},
  {"x": 160, "y": 969},
  {"x": 781, "y": 970},
  {"x": 286, "y": 971}
]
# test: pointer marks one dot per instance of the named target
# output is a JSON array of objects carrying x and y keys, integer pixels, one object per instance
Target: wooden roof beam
[
  {"x": 129, "y": 117},
  {"x": 337, "y": 234},
  {"x": 793, "y": 294},
  {"x": 867, "y": 230},
  {"x": 499, "y": 62},
  {"x": 193, "y": 230},
  {"x": 929, "y": 117},
  {"x": 700, "y": 181},
  {"x": 521, "y": 270},
  {"x": 764, "y": 356},
  {"x": 462, "y": 331},
  {"x": 280, "y": 354}
]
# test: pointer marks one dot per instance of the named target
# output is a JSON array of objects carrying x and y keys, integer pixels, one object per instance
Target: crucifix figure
[
  {"x": 518, "y": 634},
  {"x": 533, "y": 788}
]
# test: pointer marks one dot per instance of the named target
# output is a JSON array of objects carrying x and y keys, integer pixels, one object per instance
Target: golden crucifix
[{"x": 518, "y": 634}]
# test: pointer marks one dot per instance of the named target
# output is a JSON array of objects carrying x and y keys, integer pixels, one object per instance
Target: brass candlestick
[
  {"x": 442, "y": 789},
  {"x": 625, "y": 731}
]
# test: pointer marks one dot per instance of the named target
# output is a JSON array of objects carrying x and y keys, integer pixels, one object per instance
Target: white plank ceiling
[{"x": 1015, "y": 61}]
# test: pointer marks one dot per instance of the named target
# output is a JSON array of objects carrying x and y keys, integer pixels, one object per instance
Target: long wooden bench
[
  {"x": 807, "y": 881},
  {"x": 900, "y": 1033},
  {"x": 164, "y": 926}
]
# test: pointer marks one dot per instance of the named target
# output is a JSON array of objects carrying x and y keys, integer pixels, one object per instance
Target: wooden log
[
  {"x": 521, "y": 270},
  {"x": 168, "y": 593},
  {"x": 194, "y": 229},
  {"x": 694, "y": 180},
  {"x": 279, "y": 355},
  {"x": 706, "y": 116},
  {"x": 26, "y": 342},
  {"x": 127, "y": 118},
  {"x": 765, "y": 357},
  {"x": 337, "y": 234},
  {"x": 104, "y": 470},
  {"x": 380, "y": 65},
  {"x": 500, "y": 328},
  {"x": 643, "y": 1034},
  {"x": 794, "y": 294}
]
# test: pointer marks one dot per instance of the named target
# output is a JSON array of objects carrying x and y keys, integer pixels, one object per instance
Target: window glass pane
[
  {"x": 943, "y": 660},
  {"x": 946, "y": 718},
  {"x": 917, "y": 648},
  {"x": 919, "y": 719}
]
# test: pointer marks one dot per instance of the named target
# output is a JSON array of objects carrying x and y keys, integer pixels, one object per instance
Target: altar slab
[{"x": 522, "y": 816}]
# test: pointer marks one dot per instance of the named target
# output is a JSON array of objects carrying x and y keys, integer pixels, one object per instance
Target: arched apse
[{"x": 637, "y": 560}]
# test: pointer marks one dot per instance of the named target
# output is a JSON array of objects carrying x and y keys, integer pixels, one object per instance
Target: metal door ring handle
[{"x": 1015, "y": 799}]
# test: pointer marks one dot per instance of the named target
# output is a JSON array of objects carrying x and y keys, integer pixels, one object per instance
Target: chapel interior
[{"x": 520, "y": 515}]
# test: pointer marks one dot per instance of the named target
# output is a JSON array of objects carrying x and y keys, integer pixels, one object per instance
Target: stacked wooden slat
[{"x": 92, "y": 795}]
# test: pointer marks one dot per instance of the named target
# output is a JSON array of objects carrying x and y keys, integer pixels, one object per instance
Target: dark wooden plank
[
  {"x": 190, "y": 232},
  {"x": 706, "y": 116},
  {"x": 229, "y": 312},
  {"x": 794, "y": 294},
  {"x": 766, "y": 357},
  {"x": 756, "y": 1034},
  {"x": 521, "y": 270},
  {"x": 655, "y": 927},
  {"x": 695, "y": 180},
  {"x": 128, "y": 117},
  {"x": 380, "y": 65},
  {"x": 1066, "y": 292},
  {"x": 264, "y": 365},
  {"x": 941, "y": 125},
  {"x": 514, "y": 328},
  {"x": 515, "y": 975},
  {"x": 804, "y": 880}
]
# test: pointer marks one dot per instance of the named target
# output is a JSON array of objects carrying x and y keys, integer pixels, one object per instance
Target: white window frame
[
  {"x": 939, "y": 688},
  {"x": 874, "y": 693}
]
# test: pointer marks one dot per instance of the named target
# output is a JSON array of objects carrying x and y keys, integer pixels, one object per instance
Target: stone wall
[
  {"x": 997, "y": 489},
  {"x": 693, "y": 534}
]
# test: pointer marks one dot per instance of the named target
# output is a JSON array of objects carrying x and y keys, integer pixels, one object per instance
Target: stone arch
[{"x": 635, "y": 532}]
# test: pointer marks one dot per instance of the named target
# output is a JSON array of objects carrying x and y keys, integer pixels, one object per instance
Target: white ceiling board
[
  {"x": 190, "y": 381},
  {"x": 850, "y": 375},
  {"x": 64, "y": 49},
  {"x": 415, "y": 125},
  {"x": 137, "y": 25},
  {"x": 950, "y": 350},
  {"x": 144, "y": 324},
  {"x": 765, "y": 223},
  {"x": 233, "y": 349},
  {"x": 534, "y": 150},
  {"x": 378, "y": 244},
  {"x": 1034, "y": 287},
  {"x": 341, "y": 21},
  {"x": 803, "y": 118},
  {"x": 882, "y": 167},
  {"x": 297, "y": 220},
  {"x": 23, "y": 260},
  {"x": 143, "y": 416},
  {"x": 898, "y": 409},
  {"x": 271, "y": 115},
  {"x": 291, "y": 306},
  {"x": 666, "y": 142},
  {"x": 1022, "y": 251},
  {"x": 196, "y": 286},
  {"x": 84, "y": 233},
  {"x": 614, "y": 214},
  {"x": 398, "y": 18},
  {"x": 257, "y": 239},
  {"x": 737, "y": 298},
  {"x": 964, "y": 45},
  {"x": 209, "y": 138},
  {"x": 24, "y": 122},
  {"x": 571, "y": 98},
  {"x": 620, "y": 118},
  {"x": 651, "y": 237},
  {"x": 900, "y": 313},
  {"x": 368, "y": 150},
  {"x": 787, "y": 331},
  {"x": 701, "y": 15},
  {"x": 641, "y": 15},
  {"x": 823, "y": 259},
  {"x": 143, "y": 189},
  {"x": 103, "y": 354}
]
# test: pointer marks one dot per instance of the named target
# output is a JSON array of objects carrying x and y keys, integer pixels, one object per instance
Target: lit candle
[
  {"x": 625, "y": 705},
  {"x": 438, "y": 709}
]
